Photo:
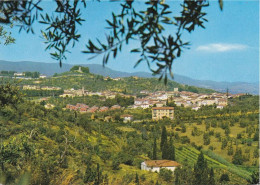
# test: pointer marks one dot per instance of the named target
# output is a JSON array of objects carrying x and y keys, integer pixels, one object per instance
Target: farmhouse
[
  {"x": 127, "y": 117},
  {"x": 156, "y": 165}
]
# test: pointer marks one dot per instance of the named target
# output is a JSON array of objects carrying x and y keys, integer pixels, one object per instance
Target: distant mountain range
[{"x": 50, "y": 68}]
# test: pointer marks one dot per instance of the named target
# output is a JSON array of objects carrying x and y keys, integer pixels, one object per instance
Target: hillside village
[
  {"x": 144, "y": 99},
  {"x": 133, "y": 128},
  {"x": 158, "y": 99},
  {"x": 179, "y": 105}
]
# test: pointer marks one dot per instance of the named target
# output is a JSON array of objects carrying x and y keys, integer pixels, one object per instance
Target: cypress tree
[
  {"x": 165, "y": 154},
  {"x": 254, "y": 178},
  {"x": 256, "y": 136},
  {"x": 89, "y": 174},
  {"x": 201, "y": 170},
  {"x": 154, "y": 157},
  {"x": 211, "y": 177},
  {"x": 98, "y": 176},
  {"x": 177, "y": 177},
  {"x": 171, "y": 151},
  {"x": 136, "y": 179},
  {"x": 163, "y": 137}
]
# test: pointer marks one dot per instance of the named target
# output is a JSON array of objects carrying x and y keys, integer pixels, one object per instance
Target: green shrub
[{"x": 166, "y": 174}]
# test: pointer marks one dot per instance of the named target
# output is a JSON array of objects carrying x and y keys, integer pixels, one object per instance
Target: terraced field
[{"x": 186, "y": 154}]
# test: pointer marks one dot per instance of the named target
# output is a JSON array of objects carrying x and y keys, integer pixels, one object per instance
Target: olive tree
[{"x": 145, "y": 25}]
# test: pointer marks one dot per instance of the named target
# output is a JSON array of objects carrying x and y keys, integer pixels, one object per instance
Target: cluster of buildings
[
  {"x": 183, "y": 98},
  {"x": 22, "y": 75},
  {"x": 157, "y": 101},
  {"x": 37, "y": 87},
  {"x": 109, "y": 78},
  {"x": 82, "y": 92},
  {"x": 83, "y": 108}
]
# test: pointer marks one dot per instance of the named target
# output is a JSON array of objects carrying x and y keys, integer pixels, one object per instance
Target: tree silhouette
[
  {"x": 154, "y": 157},
  {"x": 201, "y": 170},
  {"x": 163, "y": 137},
  {"x": 171, "y": 150},
  {"x": 145, "y": 25}
]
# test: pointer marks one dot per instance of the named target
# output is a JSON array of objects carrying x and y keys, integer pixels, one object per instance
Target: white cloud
[{"x": 221, "y": 47}]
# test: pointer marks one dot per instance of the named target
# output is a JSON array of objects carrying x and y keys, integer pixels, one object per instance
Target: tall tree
[
  {"x": 183, "y": 175},
  {"x": 136, "y": 179},
  {"x": 154, "y": 157},
  {"x": 171, "y": 150},
  {"x": 90, "y": 175},
  {"x": 201, "y": 170},
  {"x": 211, "y": 177},
  {"x": 177, "y": 179},
  {"x": 165, "y": 152},
  {"x": 163, "y": 137},
  {"x": 254, "y": 178}
]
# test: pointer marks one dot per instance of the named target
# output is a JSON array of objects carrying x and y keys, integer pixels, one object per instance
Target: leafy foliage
[
  {"x": 224, "y": 177},
  {"x": 64, "y": 147},
  {"x": 83, "y": 69},
  {"x": 145, "y": 26},
  {"x": 201, "y": 170},
  {"x": 9, "y": 94},
  {"x": 166, "y": 174},
  {"x": 5, "y": 37}
]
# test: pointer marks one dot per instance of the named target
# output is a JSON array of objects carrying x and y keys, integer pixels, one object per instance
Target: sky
[{"x": 227, "y": 50}]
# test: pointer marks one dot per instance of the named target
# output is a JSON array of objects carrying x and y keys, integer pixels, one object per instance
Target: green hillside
[
  {"x": 93, "y": 82},
  {"x": 55, "y": 146}
]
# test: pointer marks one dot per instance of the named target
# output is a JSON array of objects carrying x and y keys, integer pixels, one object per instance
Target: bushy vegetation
[
  {"x": 56, "y": 146},
  {"x": 7, "y": 73},
  {"x": 42, "y": 93},
  {"x": 92, "y": 100},
  {"x": 127, "y": 85}
]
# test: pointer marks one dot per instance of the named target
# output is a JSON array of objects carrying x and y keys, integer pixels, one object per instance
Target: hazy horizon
[{"x": 256, "y": 82}]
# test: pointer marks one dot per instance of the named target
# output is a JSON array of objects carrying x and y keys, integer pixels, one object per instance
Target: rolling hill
[{"x": 50, "y": 68}]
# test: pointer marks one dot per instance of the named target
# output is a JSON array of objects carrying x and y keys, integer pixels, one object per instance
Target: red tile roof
[
  {"x": 161, "y": 163},
  {"x": 126, "y": 115}
]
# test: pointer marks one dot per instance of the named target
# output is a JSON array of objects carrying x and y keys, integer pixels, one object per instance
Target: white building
[
  {"x": 195, "y": 108},
  {"x": 42, "y": 76},
  {"x": 162, "y": 97},
  {"x": 220, "y": 107},
  {"x": 18, "y": 74},
  {"x": 156, "y": 165},
  {"x": 127, "y": 117},
  {"x": 209, "y": 101},
  {"x": 145, "y": 106}
]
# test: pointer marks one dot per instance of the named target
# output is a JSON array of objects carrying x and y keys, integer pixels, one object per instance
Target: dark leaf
[
  {"x": 220, "y": 4},
  {"x": 138, "y": 62}
]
